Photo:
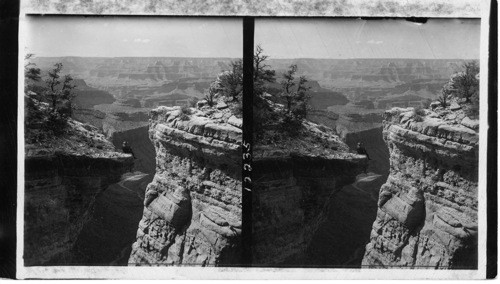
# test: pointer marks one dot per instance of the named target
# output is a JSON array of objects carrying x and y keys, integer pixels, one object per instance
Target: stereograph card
[{"x": 267, "y": 140}]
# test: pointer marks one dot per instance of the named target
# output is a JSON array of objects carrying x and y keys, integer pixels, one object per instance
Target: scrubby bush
[
  {"x": 418, "y": 114},
  {"x": 468, "y": 85},
  {"x": 59, "y": 98},
  {"x": 465, "y": 84},
  {"x": 293, "y": 94},
  {"x": 443, "y": 98},
  {"x": 291, "y": 125},
  {"x": 210, "y": 95},
  {"x": 296, "y": 99},
  {"x": 31, "y": 72},
  {"x": 228, "y": 86},
  {"x": 48, "y": 103},
  {"x": 263, "y": 117},
  {"x": 300, "y": 104},
  {"x": 287, "y": 85},
  {"x": 263, "y": 114},
  {"x": 420, "y": 111},
  {"x": 57, "y": 122},
  {"x": 185, "y": 112},
  {"x": 231, "y": 82},
  {"x": 418, "y": 118},
  {"x": 262, "y": 74},
  {"x": 33, "y": 113}
]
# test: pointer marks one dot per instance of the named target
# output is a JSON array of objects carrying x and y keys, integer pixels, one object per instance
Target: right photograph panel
[{"x": 366, "y": 137}]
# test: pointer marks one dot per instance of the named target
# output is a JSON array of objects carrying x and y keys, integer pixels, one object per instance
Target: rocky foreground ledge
[
  {"x": 427, "y": 216},
  {"x": 192, "y": 208},
  {"x": 62, "y": 179},
  {"x": 293, "y": 182}
]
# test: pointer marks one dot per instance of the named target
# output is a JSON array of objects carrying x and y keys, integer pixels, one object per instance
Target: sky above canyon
[
  {"x": 357, "y": 38},
  {"x": 223, "y": 37},
  {"x": 134, "y": 36}
]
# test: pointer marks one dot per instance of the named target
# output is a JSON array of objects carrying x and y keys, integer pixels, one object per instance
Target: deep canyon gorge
[
  {"x": 414, "y": 203},
  {"x": 308, "y": 209}
]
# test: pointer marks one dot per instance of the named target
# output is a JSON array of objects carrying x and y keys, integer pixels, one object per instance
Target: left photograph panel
[{"x": 132, "y": 141}]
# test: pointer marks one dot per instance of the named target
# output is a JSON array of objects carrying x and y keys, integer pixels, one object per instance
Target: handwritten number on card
[{"x": 247, "y": 168}]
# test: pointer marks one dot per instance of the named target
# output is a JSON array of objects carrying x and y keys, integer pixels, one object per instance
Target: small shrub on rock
[
  {"x": 57, "y": 123},
  {"x": 418, "y": 118},
  {"x": 48, "y": 102},
  {"x": 464, "y": 87},
  {"x": 443, "y": 98},
  {"x": 420, "y": 111},
  {"x": 465, "y": 84},
  {"x": 185, "y": 112},
  {"x": 418, "y": 114},
  {"x": 291, "y": 125}
]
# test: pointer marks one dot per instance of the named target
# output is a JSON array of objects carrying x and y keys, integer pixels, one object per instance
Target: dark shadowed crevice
[
  {"x": 341, "y": 238},
  {"x": 107, "y": 239}
]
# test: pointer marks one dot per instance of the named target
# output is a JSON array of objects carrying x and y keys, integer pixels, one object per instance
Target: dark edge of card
[
  {"x": 491, "y": 180},
  {"x": 9, "y": 29}
]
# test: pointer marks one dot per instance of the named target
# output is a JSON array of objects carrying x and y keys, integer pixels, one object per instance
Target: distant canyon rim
[{"x": 304, "y": 216}]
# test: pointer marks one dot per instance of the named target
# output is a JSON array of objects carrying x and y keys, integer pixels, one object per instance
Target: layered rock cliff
[
  {"x": 192, "y": 208},
  {"x": 293, "y": 182},
  {"x": 427, "y": 209},
  {"x": 62, "y": 178}
]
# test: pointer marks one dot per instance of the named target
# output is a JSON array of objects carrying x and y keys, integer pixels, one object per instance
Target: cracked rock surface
[
  {"x": 427, "y": 209},
  {"x": 192, "y": 208}
]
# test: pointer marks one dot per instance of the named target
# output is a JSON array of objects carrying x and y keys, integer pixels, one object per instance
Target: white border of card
[{"x": 465, "y": 8}]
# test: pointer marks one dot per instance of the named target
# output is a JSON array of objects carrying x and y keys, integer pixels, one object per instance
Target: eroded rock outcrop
[
  {"x": 427, "y": 215},
  {"x": 293, "y": 182},
  {"x": 62, "y": 179},
  {"x": 192, "y": 208}
]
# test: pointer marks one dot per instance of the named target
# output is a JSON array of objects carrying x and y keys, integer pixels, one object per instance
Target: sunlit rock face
[
  {"x": 192, "y": 208},
  {"x": 427, "y": 209},
  {"x": 61, "y": 184}
]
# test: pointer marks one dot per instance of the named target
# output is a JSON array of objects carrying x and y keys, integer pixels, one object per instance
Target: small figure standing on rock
[
  {"x": 362, "y": 151},
  {"x": 127, "y": 149}
]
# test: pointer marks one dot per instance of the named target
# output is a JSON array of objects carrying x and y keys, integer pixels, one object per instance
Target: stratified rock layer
[
  {"x": 427, "y": 215},
  {"x": 192, "y": 208},
  {"x": 61, "y": 185},
  {"x": 291, "y": 188}
]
